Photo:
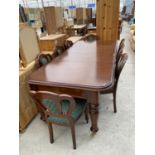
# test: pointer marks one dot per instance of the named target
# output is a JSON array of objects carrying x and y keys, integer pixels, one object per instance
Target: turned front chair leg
[
  {"x": 51, "y": 132},
  {"x": 86, "y": 114},
  {"x": 114, "y": 101},
  {"x": 73, "y": 136}
]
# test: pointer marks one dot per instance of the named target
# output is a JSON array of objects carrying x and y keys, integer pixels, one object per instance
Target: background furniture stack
[
  {"x": 54, "y": 18},
  {"x": 29, "y": 49},
  {"x": 78, "y": 29},
  {"x": 128, "y": 12},
  {"x": 89, "y": 15},
  {"x": 81, "y": 15},
  {"x": 49, "y": 42},
  {"x": 72, "y": 13}
]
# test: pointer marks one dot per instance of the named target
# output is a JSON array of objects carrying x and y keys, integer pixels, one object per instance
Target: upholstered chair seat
[{"x": 80, "y": 104}]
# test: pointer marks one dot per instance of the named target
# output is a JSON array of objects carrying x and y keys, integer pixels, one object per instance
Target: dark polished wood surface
[
  {"x": 85, "y": 65},
  {"x": 83, "y": 70}
]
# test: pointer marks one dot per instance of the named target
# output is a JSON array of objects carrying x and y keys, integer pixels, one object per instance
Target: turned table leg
[{"x": 93, "y": 110}]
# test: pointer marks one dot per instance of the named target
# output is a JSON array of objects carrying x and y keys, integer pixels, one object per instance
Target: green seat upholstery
[{"x": 80, "y": 104}]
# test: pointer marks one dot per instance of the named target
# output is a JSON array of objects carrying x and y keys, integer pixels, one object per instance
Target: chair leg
[
  {"x": 86, "y": 114},
  {"x": 73, "y": 136},
  {"x": 42, "y": 115},
  {"x": 51, "y": 132},
  {"x": 114, "y": 101}
]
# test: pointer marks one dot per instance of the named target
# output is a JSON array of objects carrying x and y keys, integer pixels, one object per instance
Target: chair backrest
[
  {"x": 119, "y": 66},
  {"x": 52, "y": 103},
  {"x": 68, "y": 44},
  {"x": 58, "y": 50},
  {"x": 120, "y": 50},
  {"x": 42, "y": 59}
]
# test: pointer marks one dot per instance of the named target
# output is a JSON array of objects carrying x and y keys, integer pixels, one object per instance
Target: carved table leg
[{"x": 93, "y": 110}]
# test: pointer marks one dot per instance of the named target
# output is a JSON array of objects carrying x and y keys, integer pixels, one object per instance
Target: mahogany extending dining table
[{"x": 83, "y": 70}]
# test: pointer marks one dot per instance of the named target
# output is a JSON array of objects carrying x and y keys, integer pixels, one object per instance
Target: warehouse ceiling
[{"x": 65, "y": 3}]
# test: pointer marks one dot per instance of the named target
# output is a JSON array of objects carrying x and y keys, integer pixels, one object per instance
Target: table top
[
  {"x": 86, "y": 65},
  {"x": 52, "y": 37}
]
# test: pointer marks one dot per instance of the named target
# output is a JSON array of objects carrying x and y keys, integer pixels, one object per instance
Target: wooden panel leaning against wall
[
  {"x": 107, "y": 15},
  {"x": 29, "y": 49},
  {"x": 27, "y": 108}
]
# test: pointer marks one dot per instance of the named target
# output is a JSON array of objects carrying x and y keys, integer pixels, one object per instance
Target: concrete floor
[{"x": 116, "y": 131}]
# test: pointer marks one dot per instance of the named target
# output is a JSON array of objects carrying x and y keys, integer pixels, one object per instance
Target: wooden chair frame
[
  {"x": 57, "y": 98},
  {"x": 113, "y": 89}
]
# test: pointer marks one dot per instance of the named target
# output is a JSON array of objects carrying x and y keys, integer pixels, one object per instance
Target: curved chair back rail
[
  {"x": 68, "y": 44},
  {"x": 57, "y": 100},
  {"x": 121, "y": 62},
  {"x": 121, "y": 44},
  {"x": 60, "y": 109},
  {"x": 120, "y": 50},
  {"x": 119, "y": 54},
  {"x": 42, "y": 59}
]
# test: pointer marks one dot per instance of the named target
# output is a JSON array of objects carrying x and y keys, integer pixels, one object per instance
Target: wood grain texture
[
  {"x": 46, "y": 45},
  {"x": 107, "y": 19},
  {"x": 81, "y": 15},
  {"x": 49, "y": 42}
]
